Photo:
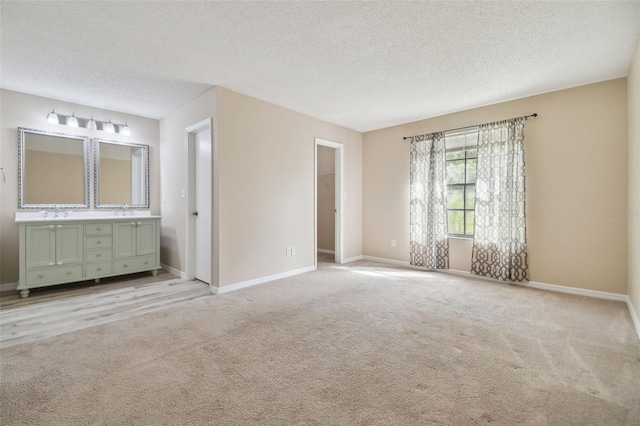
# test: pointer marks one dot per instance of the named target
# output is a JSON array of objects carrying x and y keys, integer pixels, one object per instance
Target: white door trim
[
  {"x": 339, "y": 193},
  {"x": 190, "y": 197}
]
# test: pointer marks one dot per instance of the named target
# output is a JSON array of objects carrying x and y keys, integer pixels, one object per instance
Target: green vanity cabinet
[
  {"x": 136, "y": 245},
  {"x": 56, "y": 251},
  {"x": 50, "y": 254}
]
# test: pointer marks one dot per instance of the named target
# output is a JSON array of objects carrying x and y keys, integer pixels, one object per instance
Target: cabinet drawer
[
  {"x": 98, "y": 255},
  {"x": 135, "y": 264},
  {"x": 98, "y": 242},
  {"x": 98, "y": 229},
  {"x": 54, "y": 274},
  {"x": 98, "y": 269}
]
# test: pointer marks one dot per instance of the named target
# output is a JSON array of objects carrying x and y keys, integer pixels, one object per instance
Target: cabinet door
[
  {"x": 40, "y": 245},
  {"x": 69, "y": 244},
  {"x": 146, "y": 238},
  {"x": 124, "y": 239}
]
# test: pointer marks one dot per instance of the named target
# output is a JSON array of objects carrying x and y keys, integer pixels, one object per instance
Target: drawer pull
[
  {"x": 98, "y": 242},
  {"x": 125, "y": 266},
  {"x": 146, "y": 262},
  {"x": 68, "y": 272},
  {"x": 98, "y": 269},
  {"x": 99, "y": 229},
  {"x": 40, "y": 276},
  {"x": 98, "y": 255}
]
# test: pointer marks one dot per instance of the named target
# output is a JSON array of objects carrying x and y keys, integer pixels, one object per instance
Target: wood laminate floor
[{"x": 56, "y": 310}]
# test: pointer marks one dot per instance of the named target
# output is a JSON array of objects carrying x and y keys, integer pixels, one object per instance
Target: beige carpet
[{"x": 361, "y": 343}]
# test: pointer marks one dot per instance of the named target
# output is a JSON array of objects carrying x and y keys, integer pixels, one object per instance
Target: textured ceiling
[{"x": 363, "y": 65}]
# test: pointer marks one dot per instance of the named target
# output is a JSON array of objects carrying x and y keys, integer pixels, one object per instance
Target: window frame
[{"x": 463, "y": 185}]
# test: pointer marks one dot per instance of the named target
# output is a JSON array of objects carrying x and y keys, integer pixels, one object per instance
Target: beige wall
[
  {"x": 326, "y": 198},
  {"x": 43, "y": 172},
  {"x": 634, "y": 182},
  {"x": 576, "y": 164},
  {"x": 23, "y": 110},
  {"x": 266, "y": 206},
  {"x": 173, "y": 161},
  {"x": 117, "y": 188}
]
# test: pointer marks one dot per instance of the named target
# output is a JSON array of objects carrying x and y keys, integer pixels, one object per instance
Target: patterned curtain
[
  {"x": 428, "y": 216},
  {"x": 500, "y": 243}
]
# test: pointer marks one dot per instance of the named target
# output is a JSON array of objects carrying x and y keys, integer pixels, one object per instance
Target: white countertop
[{"x": 83, "y": 216}]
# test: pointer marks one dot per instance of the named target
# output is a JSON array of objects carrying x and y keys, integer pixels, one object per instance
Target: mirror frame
[
  {"x": 21, "y": 170},
  {"x": 96, "y": 174}
]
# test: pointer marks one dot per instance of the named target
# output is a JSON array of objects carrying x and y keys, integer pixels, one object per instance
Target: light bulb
[
  {"x": 72, "y": 121},
  {"x": 52, "y": 118},
  {"x": 91, "y": 124},
  {"x": 124, "y": 130},
  {"x": 108, "y": 127}
]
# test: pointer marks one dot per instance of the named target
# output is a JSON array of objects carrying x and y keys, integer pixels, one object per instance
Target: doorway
[
  {"x": 329, "y": 195},
  {"x": 199, "y": 201}
]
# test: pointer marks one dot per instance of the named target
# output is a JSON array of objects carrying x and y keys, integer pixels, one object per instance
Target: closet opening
[{"x": 329, "y": 196}]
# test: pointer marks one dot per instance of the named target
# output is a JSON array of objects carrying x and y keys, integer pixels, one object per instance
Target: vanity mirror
[
  {"x": 53, "y": 170},
  {"x": 121, "y": 174}
]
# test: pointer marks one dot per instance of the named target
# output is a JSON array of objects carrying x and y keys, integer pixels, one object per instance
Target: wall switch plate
[
  {"x": 393, "y": 243},
  {"x": 293, "y": 251},
  {"x": 288, "y": 251},
  {"x": 183, "y": 193}
]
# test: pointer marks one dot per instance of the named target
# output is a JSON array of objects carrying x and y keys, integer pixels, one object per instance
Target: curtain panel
[
  {"x": 500, "y": 243},
  {"x": 428, "y": 209}
]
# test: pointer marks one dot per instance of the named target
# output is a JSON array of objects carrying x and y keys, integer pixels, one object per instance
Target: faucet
[{"x": 56, "y": 209}]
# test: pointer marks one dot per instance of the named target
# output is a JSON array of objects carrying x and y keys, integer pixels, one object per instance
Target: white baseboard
[
  {"x": 634, "y": 316},
  {"x": 325, "y": 251},
  {"x": 385, "y": 260},
  {"x": 8, "y": 287},
  {"x": 352, "y": 259},
  {"x": 178, "y": 273},
  {"x": 533, "y": 284},
  {"x": 244, "y": 284}
]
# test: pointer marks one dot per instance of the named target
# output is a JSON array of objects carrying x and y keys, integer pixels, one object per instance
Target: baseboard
[
  {"x": 250, "y": 283},
  {"x": 533, "y": 284},
  {"x": 352, "y": 259},
  {"x": 385, "y": 260},
  {"x": 325, "y": 251},
  {"x": 178, "y": 273},
  {"x": 634, "y": 316},
  {"x": 8, "y": 287}
]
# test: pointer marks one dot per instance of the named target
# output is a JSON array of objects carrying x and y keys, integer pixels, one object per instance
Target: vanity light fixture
[
  {"x": 72, "y": 121},
  {"x": 108, "y": 127},
  {"x": 91, "y": 124},
  {"x": 52, "y": 118},
  {"x": 124, "y": 130}
]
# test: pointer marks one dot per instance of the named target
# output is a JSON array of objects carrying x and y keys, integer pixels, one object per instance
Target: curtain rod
[{"x": 535, "y": 114}]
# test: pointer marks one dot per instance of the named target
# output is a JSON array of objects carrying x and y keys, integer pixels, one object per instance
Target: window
[{"x": 461, "y": 160}]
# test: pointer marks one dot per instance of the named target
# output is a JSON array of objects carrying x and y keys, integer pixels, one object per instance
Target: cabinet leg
[
  {"x": 24, "y": 293},
  {"x": 97, "y": 280},
  {"x": 154, "y": 272}
]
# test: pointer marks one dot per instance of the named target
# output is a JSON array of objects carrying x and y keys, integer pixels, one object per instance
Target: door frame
[
  {"x": 339, "y": 196},
  {"x": 190, "y": 240}
]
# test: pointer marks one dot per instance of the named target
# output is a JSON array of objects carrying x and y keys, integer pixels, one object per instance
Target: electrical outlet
[
  {"x": 288, "y": 251},
  {"x": 393, "y": 243},
  {"x": 293, "y": 251}
]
